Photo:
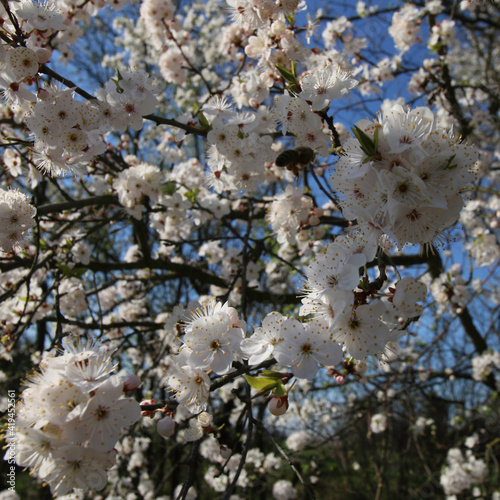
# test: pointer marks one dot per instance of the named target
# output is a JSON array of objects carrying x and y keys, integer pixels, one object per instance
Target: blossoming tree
[{"x": 250, "y": 248}]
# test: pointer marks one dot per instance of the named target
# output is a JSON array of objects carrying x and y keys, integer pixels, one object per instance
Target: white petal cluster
[
  {"x": 41, "y": 17},
  {"x": 483, "y": 364},
  {"x": 211, "y": 342},
  {"x": 260, "y": 345},
  {"x": 300, "y": 346},
  {"x": 135, "y": 183},
  {"x": 297, "y": 117},
  {"x": 304, "y": 346},
  {"x": 288, "y": 212},
  {"x": 378, "y": 423},
  {"x": 334, "y": 293},
  {"x": 284, "y": 490},
  {"x": 450, "y": 289},
  {"x": 130, "y": 100},
  {"x": 462, "y": 472},
  {"x": 70, "y": 418},
  {"x": 66, "y": 131},
  {"x": 410, "y": 184},
  {"x": 16, "y": 217},
  {"x": 405, "y": 27},
  {"x": 326, "y": 84},
  {"x": 237, "y": 156}
]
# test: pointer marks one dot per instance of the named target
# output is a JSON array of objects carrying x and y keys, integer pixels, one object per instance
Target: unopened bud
[
  {"x": 42, "y": 94},
  {"x": 205, "y": 419},
  {"x": 340, "y": 379},
  {"x": 165, "y": 427},
  {"x": 302, "y": 236},
  {"x": 225, "y": 452},
  {"x": 132, "y": 383},
  {"x": 361, "y": 366},
  {"x": 313, "y": 220},
  {"x": 278, "y": 406}
]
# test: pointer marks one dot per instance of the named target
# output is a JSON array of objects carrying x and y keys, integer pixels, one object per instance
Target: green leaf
[
  {"x": 202, "y": 120},
  {"x": 262, "y": 384},
  {"x": 280, "y": 390},
  {"x": 71, "y": 272},
  {"x": 272, "y": 374},
  {"x": 287, "y": 74},
  {"x": 375, "y": 139},
  {"x": 448, "y": 165},
  {"x": 192, "y": 195},
  {"x": 366, "y": 143},
  {"x": 169, "y": 188}
]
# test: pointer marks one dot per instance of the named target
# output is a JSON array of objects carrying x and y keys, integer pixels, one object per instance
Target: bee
[{"x": 295, "y": 159}]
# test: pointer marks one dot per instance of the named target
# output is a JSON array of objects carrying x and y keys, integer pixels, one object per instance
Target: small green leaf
[
  {"x": 192, "y": 195},
  {"x": 367, "y": 144},
  {"x": 280, "y": 390},
  {"x": 71, "y": 272},
  {"x": 169, "y": 188},
  {"x": 287, "y": 74},
  {"x": 375, "y": 139},
  {"x": 262, "y": 384},
  {"x": 272, "y": 374},
  {"x": 448, "y": 165},
  {"x": 204, "y": 122}
]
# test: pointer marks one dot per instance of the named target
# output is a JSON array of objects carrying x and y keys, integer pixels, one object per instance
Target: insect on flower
[{"x": 295, "y": 159}]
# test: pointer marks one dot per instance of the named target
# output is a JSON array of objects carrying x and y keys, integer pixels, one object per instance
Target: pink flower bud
[
  {"x": 165, "y": 427},
  {"x": 278, "y": 406},
  {"x": 132, "y": 383},
  {"x": 43, "y": 94},
  {"x": 340, "y": 379}
]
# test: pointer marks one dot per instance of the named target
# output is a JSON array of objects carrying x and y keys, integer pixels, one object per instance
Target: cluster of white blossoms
[
  {"x": 237, "y": 155},
  {"x": 404, "y": 175},
  {"x": 378, "y": 423},
  {"x": 335, "y": 293},
  {"x": 462, "y": 472},
  {"x": 299, "y": 346},
  {"x": 135, "y": 183},
  {"x": 211, "y": 343},
  {"x": 483, "y": 364},
  {"x": 215, "y": 337},
  {"x": 450, "y": 289},
  {"x": 69, "y": 133},
  {"x": 71, "y": 416},
  {"x": 65, "y": 130},
  {"x": 288, "y": 212},
  {"x": 405, "y": 27},
  {"x": 16, "y": 217}
]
